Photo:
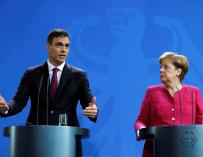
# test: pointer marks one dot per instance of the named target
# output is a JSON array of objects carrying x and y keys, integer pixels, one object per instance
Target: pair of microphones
[
  {"x": 180, "y": 100},
  {"x": 38, "y": 100}
]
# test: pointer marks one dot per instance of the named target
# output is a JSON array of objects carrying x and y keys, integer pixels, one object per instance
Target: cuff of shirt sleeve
[{"x": 5, "y": 112}]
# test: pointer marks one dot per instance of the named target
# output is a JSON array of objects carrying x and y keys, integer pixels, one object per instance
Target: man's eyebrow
[{"x": 61, "y": 43}]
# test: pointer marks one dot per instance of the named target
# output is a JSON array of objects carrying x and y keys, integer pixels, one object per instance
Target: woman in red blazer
[{"x": 161, "y": 104}]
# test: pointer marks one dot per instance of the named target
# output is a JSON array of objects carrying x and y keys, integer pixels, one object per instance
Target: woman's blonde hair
[{"x": 179, "y": 61}]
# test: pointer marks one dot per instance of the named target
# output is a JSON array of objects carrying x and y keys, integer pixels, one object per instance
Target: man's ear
[{"x": 48, "y": 45}]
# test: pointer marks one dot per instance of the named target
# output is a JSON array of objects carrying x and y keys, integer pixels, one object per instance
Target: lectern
[
  {"x": 175, "y": 141},
  {"x": 43, "y": 140}
]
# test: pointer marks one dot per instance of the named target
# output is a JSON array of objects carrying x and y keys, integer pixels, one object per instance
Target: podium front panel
[
  {"x": 176, "y": 141},
  {"x": 43, "y": 141}
]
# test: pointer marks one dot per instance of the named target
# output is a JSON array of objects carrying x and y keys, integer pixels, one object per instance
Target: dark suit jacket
[{"x": 73, "y": 86}]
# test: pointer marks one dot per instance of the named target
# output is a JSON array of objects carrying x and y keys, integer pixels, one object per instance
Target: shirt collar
[{"x": 51, "y": 66}]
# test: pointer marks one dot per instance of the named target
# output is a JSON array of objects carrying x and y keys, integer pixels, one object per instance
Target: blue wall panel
[{"x": 117, "y": 42}]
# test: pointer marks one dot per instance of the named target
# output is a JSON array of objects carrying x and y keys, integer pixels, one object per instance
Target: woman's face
[{"x": 168, "y": 72}]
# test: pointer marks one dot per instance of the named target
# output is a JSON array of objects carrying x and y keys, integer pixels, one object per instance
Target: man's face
[{"x": 58, "y": 50}]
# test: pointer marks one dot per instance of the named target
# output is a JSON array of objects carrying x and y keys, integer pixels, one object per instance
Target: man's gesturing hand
[
  {"x": 3, "y": 106},
  {"x": 92, "y": 110}
]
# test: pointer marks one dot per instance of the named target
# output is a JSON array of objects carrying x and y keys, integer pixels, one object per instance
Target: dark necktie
[{"x": 54, "y": 82}]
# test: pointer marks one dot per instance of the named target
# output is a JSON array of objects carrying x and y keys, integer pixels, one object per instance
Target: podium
[
  {"x": 43, "y": 140},
  {"x": 175, "y": 141}
]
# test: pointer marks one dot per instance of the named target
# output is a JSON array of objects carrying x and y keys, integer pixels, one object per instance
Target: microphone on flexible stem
[
  {"x": 192, "y": 106},
  {"x": 180, "y": 106},
  {"x": 38, "y": 96},
  {"x": 47, "y": 121}
]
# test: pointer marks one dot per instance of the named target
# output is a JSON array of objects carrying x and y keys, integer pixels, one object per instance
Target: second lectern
[
  {"x": 43, "y": 140},
  {"x": 175, "y": 141}
]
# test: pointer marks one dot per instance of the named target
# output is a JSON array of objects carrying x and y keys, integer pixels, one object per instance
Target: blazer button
[
  {"x": 172, "y": 109},
  {"x": 173, "y": 118},
  {"x": 52, "y": 112}
]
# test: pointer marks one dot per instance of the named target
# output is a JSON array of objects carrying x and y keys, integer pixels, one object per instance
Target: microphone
[
  {"x": 47, "y": 121},
  {"x": 192, "y": 106},
  {"x": 180, "y": 105},
  {"x": 38, "y": 96}
]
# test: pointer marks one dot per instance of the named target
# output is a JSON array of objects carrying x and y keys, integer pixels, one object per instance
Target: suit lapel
[
  {"x": 65, "y": 76},
  {"x": 46, "y": 81}
]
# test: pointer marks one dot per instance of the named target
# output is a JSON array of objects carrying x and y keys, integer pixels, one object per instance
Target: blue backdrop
[{"x": 117, "y": 42}]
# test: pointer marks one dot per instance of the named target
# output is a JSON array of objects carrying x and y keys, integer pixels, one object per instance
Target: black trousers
[{"x": 78, "y": 146}]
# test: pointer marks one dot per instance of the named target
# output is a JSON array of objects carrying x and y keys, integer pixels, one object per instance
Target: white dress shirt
[{"x": 51, "y": 67}]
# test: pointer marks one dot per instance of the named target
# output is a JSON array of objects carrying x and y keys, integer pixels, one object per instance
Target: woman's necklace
[{"x": 172, "y": 91}]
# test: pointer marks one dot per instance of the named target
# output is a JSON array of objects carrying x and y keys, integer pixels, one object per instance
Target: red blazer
[{"x": 160, "y": 108}]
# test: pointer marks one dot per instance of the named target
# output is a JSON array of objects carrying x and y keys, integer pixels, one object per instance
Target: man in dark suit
[{"x": 53, "y": 88}]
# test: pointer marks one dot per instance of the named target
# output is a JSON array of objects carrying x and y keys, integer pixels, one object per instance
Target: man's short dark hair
[{"x": 57, "y": 33}]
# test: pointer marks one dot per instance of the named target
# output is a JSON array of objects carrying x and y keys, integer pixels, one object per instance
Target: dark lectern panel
[
  {"x": 176, "y": 141},
  {"x": 44, "y": 141}
]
